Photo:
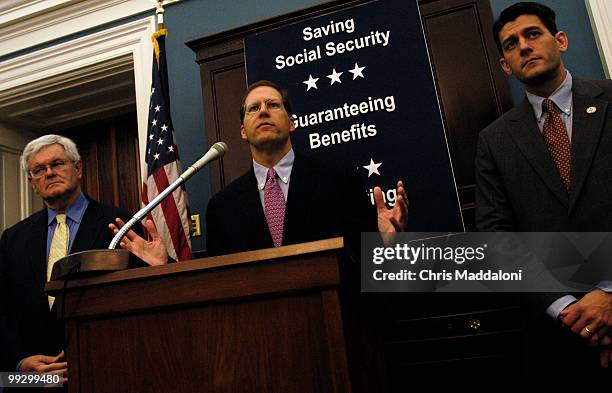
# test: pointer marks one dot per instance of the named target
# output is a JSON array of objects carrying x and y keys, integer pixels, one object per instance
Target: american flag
[{"x": 171, "y": 217}]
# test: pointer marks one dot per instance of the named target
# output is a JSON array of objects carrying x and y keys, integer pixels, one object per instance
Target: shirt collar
[
  {"x": 562, "y": 97},
  {"x": 282, "y": 168},
  {"x": 74, "y": 211}
]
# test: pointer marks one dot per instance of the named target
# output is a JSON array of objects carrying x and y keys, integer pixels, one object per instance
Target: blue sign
[{"x": 362, "y": 90}]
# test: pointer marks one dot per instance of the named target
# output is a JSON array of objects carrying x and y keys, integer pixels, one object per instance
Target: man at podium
[
  {"x": 31, "y": 340},
  {"x": 285, "y": 197}
]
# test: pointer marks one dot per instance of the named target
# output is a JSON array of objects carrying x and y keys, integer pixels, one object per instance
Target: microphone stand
[
  {"x": 142, "y": 213},
  {"x": 97, "y": 261},
  {"x": 216, "y": 151}
]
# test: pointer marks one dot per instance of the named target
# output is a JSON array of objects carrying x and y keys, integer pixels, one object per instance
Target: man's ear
[
  {"x": 292, "y": 123},
  {"x": 562, "y": 41},
  {"x": 79, "y": 168},
  {"x": 243, "y": 134},
  {"x": 31, "y": 181},
  {"x": 505, "y": 66}
]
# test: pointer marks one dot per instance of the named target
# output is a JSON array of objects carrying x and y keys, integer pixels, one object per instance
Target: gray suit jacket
[
  {"x": 518, "y": 185},
  {"x": 518, "y": 188}
]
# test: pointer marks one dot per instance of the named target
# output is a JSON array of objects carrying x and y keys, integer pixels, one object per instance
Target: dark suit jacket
[
  {"x": 323, "y": 201},
  {"x": 518, "y": 185},
  {"x": 520, "y": 189},
  {"x": 27, "y": 326}
]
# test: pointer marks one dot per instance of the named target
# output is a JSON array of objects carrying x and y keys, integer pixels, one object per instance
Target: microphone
[{"x": 217, "y": 151}]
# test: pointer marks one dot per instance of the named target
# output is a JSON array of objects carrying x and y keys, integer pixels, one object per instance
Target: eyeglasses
[
  {"x": 56, "y": 165},
  {"x": 271, "y": 105}
]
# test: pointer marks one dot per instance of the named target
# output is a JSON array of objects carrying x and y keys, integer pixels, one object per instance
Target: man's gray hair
[{"x": 34, "y": 146}]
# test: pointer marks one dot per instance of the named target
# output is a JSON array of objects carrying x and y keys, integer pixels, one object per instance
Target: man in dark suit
[
  {"x": 309, "y": 213},
  {"x": 31, "y": 340},
  {"x": 285, "y": 197},
  {"x": 545, "y": 166},
  {"x": 322, "y": 199}
]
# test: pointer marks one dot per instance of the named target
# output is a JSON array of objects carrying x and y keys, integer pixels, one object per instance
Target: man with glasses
[
  {"x": 285, "y": 198},
  {"x": 31, "y": 340}
]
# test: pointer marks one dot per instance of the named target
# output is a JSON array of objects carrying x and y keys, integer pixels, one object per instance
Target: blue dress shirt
[{"x": 74, "y": 215}]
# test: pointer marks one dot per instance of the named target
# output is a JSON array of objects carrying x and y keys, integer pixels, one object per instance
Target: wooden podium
[{"x": 274, "y": 320}]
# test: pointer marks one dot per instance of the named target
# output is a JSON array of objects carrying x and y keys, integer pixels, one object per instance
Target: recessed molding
[
  {"x": 33, "y": 72},
  {"x": 59, "y": 83},
  {"x": 27, "y": 23},
  {"x": 600, "y": 13}
]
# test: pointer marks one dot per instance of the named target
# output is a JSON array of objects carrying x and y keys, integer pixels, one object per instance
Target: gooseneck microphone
[{"x": 215, "y": 152}]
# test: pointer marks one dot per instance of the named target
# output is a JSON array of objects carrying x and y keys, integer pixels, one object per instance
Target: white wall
[
  {"x": 600, "y": 13},
  {"x": 27, "y": 23},
  {"x": 16, "y": 199}
]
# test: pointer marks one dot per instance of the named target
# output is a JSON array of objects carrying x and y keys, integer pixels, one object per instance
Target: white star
[
  {"x": 157, "y": 108},
  {"x": 154, "y": 122},
  {"x": 156, "y": 156},
  {"x": 311, "y": 82},
  {"x": 335, "y": 77},
  {"x": 151, "y": 137},
  {"x": 171, "y": 148},
  {"x": 164, "y": 128},
  {"x": 372, "y": 168},
  {"x": 160, "y": 141},
  {"x": 357, "y": 71}
]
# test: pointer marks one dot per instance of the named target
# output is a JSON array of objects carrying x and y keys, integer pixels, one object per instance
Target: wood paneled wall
[{"x": 111, "y": 165}]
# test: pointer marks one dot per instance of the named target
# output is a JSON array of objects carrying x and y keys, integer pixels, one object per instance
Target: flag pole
[
  {"x": 159, "y": 11},
  {"x": 172, "y": 219}
]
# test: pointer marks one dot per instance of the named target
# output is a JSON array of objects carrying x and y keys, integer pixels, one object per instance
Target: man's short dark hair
[
  {"x": 261, "y": 83},
  {"x": 546, "y": 15}
]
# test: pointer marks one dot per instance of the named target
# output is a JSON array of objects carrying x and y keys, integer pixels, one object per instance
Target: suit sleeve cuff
[
  {"x": 605, "y": 286},
  {"x": 558, "y": 305},
  {"x": 19, "y": 365}
]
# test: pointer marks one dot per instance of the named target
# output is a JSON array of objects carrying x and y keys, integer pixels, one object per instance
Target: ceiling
[{"x": 75, "y": 98}]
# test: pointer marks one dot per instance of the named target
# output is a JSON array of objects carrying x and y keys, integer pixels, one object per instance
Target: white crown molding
[
  {"x": 600, "y": 13},
  {"x": 57, "y": 83},
  {"x": 14, "y": 10},
  {"x": 30, "y": 73},
  {"x": 26, "y": 23}
]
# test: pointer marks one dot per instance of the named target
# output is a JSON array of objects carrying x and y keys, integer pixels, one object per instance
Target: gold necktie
[{"x": 59, "y": 246}]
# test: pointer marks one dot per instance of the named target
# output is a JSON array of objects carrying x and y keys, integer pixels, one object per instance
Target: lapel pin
[{"x": 591, "y": 110}]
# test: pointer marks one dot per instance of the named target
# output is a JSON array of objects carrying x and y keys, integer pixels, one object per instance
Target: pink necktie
[{"x": 274, "y": 202}]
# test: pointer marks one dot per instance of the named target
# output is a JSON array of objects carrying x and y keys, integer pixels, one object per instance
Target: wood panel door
[
  {"x": 471, "y": 86},
  {"x": 472, "y": 89},
  {"x": 111, "y": 163}
]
